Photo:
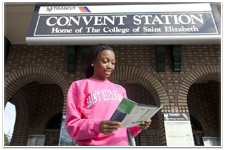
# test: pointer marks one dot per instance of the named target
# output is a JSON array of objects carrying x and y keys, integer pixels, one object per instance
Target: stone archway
[
  {"x": 211, "y": 72},
  {"x": 17, "y": 79},
  {"x": 197, "y": 82},
  {"x": 151, "y": 83}
]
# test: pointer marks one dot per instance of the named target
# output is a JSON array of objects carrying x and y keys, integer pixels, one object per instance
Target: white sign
[
  {"x": 124, "y": 8},
  {"x": 178, "y": 131}
]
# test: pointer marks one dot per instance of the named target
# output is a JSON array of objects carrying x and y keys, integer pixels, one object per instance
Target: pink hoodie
[{"x": 89, "y": 101}]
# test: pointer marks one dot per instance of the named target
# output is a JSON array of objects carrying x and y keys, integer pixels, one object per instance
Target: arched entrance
[
  {"x": 30, "y": 88},
  {"x": 202, "y": 90}
]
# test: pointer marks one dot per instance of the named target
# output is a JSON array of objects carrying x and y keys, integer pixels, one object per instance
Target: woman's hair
[{"x": 93, "y": 55}]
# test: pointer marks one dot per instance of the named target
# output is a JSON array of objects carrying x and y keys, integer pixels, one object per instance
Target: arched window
[{"x": 54, "y": 122}]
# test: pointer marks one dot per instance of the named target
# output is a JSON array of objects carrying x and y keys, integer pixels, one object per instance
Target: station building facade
[{"x": 37, "y": 78}]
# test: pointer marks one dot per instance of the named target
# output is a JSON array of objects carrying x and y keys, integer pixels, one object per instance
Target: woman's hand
[
  {"x": 145, "y": 124},
  {"x": 107, "y": 126}
]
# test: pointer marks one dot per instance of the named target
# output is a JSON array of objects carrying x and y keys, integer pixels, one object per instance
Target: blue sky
[{"x": 9, "y": 118}]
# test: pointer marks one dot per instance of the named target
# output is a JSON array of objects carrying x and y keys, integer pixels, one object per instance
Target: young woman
[{"x": 92, "y": 101}]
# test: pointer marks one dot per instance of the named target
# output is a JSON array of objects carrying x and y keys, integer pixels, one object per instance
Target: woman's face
[{"x": 104, "y": 65}]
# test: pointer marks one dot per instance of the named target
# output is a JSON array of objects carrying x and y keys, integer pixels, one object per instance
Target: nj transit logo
[{"x": 84, "y": 9}]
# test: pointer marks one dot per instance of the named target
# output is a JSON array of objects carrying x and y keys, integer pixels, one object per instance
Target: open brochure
[{"x": 130, "y": 113}]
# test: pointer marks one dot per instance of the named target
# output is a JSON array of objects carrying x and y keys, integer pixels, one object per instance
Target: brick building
[{"x": 37, "y": 78}]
